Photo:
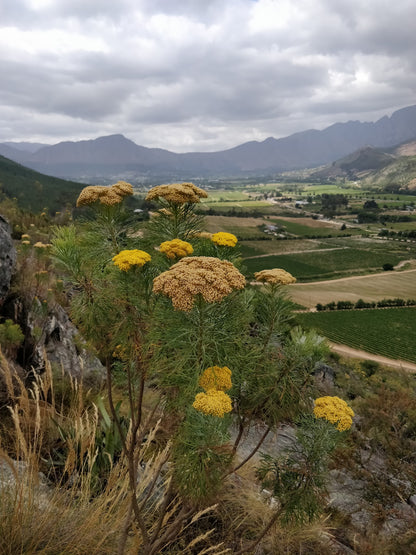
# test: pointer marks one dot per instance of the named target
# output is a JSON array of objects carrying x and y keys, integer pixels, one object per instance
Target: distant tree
[
  {"x": 370, "y": 205},
  {"x": 365, "y": 216},
  {"x": 332, "y": 202},
  {"x": 388, "y": 267}
]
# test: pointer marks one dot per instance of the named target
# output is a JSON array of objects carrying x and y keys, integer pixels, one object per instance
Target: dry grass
[
  {"x": 64, "y": 512},
  {"x": 244, "y": 512},
  {"x": 374, "y": 287},
  {"x": 40, "y": 516}
]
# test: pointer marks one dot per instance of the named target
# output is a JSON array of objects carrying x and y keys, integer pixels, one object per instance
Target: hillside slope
[{"x": 35, "y": 191}]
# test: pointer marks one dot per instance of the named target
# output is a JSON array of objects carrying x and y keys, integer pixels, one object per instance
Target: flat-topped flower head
[
  {"x": 125, "y": 260},
  {"x": 213, "y": 402},
  {"x": 122, "y": 188},
  {"x": 275, "y": 276},
  {"x": 216, "y": 377},
  {"x": 111, "y": 198},
  {"x": 335, "y": 410},
  {"x": 224, "y": 239},
  {"x": 108, "y": 196},
  {"x": 207, "y": 276},
  {"x": 91, "y": 194},
  {"x": 177, "y": 193},
  {"x": 176, "y": 248}
]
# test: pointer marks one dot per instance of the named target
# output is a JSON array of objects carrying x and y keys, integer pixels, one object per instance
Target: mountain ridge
[{"x": 115, "y": 154}]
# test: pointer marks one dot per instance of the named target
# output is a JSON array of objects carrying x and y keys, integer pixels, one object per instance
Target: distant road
[{"x": 349, "y": 352}]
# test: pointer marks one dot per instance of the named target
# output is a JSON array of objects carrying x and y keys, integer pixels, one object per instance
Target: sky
[{"x": 200, "y": 75}]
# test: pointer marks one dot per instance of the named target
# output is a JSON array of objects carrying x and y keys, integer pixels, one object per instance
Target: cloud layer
[{"x": 200, "y": 74}]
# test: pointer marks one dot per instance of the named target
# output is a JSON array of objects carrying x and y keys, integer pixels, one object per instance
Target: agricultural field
[
  {"x": 224, "y": 196},
  {"x": 308, "y": 226},
  {"x": 389, "y": 332},
  {"x": 331, "y": 190},
  {"x": 241, "y": 227},
  {"x": 335, "y": 262},
  {"x": 241, "y": 205},
  {"x": 375, "y": 287},
  {"x": 401, "y": 226},
  {"x": 261, "y": 248}
]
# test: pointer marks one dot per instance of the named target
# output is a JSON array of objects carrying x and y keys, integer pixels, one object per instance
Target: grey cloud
[{"x": 197, "y": 74}]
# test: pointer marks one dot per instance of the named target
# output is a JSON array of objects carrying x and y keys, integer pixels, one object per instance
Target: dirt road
[
  {"x": 368, "y": 276},
  {"x": 348, "y": 352}
]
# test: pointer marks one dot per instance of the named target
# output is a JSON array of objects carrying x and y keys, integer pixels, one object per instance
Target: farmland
[
  {"x": 335, "y": 262},
  {"x": 333, "y": 259},
  {"x": 374, "y": 287},
  {"x": 389, "y": 332}
]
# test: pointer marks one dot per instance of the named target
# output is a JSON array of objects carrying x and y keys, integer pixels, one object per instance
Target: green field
[
  {"x": 274, "y": 246},
  {"x": 330, "y": 190},
  {"x": 303, "y": 229},
  {"x": 224, "y": 196},
  {"x": 389, "y": 332},
  {"x": 308, "y": 266},
  {"x": 239, "y": 206}
]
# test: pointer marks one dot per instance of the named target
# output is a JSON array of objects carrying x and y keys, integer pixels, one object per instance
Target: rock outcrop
[
  {"x": 53, "y": 337},
  {"x": 7, "y": 258}
]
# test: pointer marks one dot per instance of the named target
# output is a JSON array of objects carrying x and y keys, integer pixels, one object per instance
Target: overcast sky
[{"x": 200, "y": 75}]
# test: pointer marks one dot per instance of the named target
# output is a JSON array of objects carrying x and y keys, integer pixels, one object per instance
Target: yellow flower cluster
[
  {"x": 124, "y": 260},
  {"x": 216, "y": 377},
  {"x": 335, "y": 410},
  {"x": 176, "y": 248},
  {"x": 25, "y": 236},
  {"x": 213, "y": 402},
  {"x": 105, "y": 195},
  {"x": 224, "y": 239},
  {"x": 40, "y": 245},
  {"x": 210, "y": 277},
  {"x": 178, "y": 193},
  {"x": 277, "y": 275}
]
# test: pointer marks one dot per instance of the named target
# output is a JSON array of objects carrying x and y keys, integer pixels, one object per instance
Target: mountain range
[{"x": 117, "y": 156}]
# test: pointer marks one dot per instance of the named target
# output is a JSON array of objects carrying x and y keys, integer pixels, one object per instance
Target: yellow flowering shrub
[
  {"x": 217, "y": 378},
  {"x": 177, "y": 193},
  {"x": 108, "y": 196},
  {"x": 210, "y": 277},
  {"x": 335, "y": 410},
  {"x": 176, "y": 248},
  {"x": 277, "y": 275},
  {"x": 213, "y": 402},
  {"x": 124, "y": 260},
  {"x": 224, "y": 239}
]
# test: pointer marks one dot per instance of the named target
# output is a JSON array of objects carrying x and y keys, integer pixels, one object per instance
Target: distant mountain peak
[{"x": 111, "y": 155}]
